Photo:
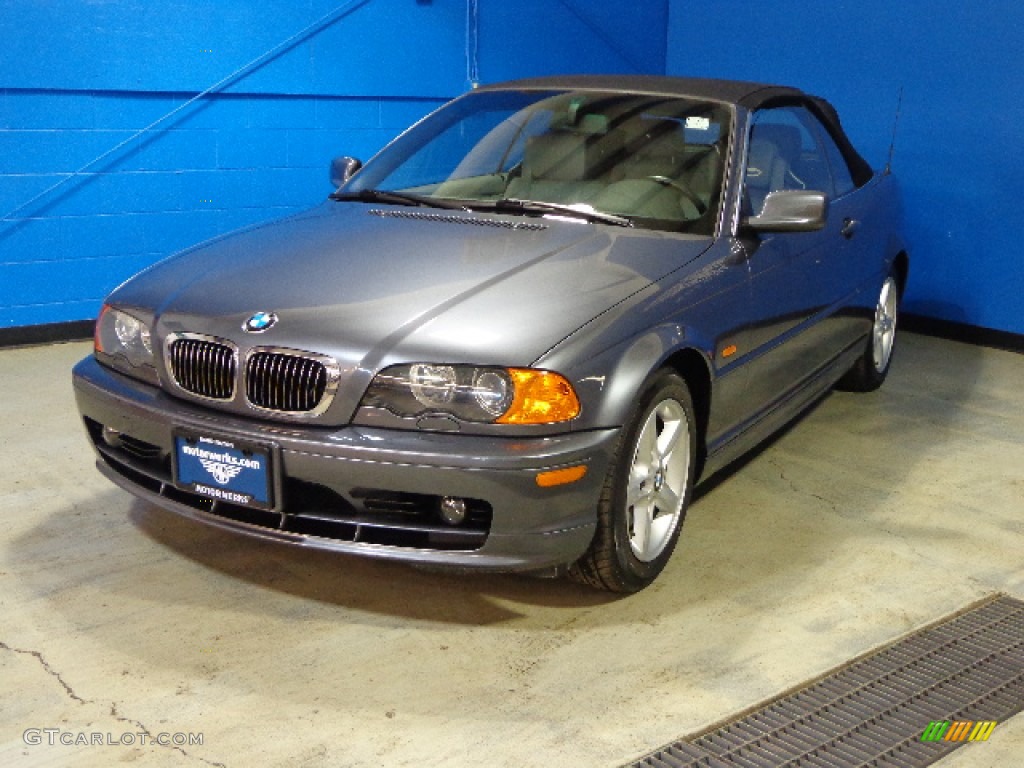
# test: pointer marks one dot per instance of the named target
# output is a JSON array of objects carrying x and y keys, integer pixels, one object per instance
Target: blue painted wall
[
  {"x": 80, "y": 79},
  {"x": 77, "y": 79},
  {"x": 959, "y": 153}
]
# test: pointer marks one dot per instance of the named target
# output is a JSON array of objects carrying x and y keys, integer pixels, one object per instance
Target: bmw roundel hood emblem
[{"x": 260, "y": 322}]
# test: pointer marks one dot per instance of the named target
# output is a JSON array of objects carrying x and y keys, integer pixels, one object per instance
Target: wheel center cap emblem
[
  {"x": 260, "y": 322},
  {"x": 659, "y": 480}
]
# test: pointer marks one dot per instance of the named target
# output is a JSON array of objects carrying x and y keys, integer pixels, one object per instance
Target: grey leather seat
[
  {"x": 774, "y": 150},
  {"x": 644, "y": 181},
  {"x": 569, "y": 164}
]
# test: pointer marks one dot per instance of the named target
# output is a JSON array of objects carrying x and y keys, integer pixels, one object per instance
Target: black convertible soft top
[
  {"x": 740, "y": 92},
  {"x": 732, "y": 91}
]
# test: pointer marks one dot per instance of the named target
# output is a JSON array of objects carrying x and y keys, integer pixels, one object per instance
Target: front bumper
[{"x": 365, "y": 491}]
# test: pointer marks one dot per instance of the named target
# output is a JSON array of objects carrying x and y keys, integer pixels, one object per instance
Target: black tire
[
  {"x": 634, "y": 541},
  {"x": 871, "y": 369}
]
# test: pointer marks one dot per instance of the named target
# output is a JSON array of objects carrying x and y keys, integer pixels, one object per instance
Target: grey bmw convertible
[{"x": 517, "y": 336}]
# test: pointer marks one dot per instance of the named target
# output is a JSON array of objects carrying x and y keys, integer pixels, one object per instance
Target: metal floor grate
[{"x": 874, "y": 711}]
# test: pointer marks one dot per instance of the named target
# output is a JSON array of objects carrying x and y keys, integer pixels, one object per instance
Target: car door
[
  {"x": 858, "y": 255},
  {"x": 794, "y": 280}
]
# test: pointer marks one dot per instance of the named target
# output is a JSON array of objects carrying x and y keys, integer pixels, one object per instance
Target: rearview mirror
[
  {"x": 343, "y": 169},
  {"x": 791, "y": 211}
]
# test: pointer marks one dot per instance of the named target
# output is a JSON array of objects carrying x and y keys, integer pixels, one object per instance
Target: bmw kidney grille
[
  {"x": 278, "y": 380},
  {"x": 285, "y": 382},
  {"x": 203, "y": 366}
]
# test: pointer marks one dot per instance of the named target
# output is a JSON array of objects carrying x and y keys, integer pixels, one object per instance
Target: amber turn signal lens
[
  {"x": 564, "y": 476},
  {"x": 97, "y": 338},
  {"x": 541, "y": 397}
]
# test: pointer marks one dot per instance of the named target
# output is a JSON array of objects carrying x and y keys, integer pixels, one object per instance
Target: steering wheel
[{"x": 683, "y": 190}]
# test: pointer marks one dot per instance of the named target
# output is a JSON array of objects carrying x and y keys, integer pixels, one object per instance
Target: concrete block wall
[
  {"x": 226, "y": 162},
  {"x": 78, "y": 79}
]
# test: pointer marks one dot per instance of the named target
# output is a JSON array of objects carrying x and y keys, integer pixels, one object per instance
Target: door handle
[{"x": 850, "y": 227}]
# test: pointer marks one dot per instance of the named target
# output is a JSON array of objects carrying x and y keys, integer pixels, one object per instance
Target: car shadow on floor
[
  {"x": 914, "y": 409},
  {"x": 393, "y": 588},
  {"x": 359, "y": 583}
]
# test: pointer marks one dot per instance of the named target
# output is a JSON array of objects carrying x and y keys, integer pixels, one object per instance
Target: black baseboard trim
[
  {"x": 29, "y": 335},
  {"x": 968, "y": 334}
]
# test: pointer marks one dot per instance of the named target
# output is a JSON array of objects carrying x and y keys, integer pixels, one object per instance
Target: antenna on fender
[{"x": 895, "y": 124}]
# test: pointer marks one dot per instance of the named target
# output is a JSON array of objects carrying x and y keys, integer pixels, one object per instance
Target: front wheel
[
  {"x": 646, "y": 491},
  {"x": 869, "y": 372}
]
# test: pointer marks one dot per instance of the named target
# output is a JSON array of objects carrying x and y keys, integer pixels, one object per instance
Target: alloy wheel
[{"x": 657, "y": 483}]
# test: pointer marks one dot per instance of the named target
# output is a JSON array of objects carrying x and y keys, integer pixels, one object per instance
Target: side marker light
[{"x": 564, "y": 476}]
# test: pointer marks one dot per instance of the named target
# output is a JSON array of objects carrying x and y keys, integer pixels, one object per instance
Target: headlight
[
  {"x": 125, "y": 343},
  {"x": 470, "y": 393}
]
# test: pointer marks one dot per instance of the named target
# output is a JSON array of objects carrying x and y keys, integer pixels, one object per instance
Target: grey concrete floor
[{"x": 872, "y": 516}]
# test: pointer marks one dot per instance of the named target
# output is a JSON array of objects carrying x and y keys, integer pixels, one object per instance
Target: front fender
[
  {"x": 681, "y": 320},
  {"x": 608, "y": 383}
]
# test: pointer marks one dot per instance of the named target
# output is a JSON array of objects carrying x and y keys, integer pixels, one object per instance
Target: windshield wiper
[
  {"x": 527, "y": 207},
  {"x": 505, "y": 205},
  {"x": 397, "y": 198}
]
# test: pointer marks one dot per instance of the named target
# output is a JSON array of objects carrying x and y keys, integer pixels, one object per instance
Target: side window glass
[
  {"x": 784, "y": 153},
  {"x": 841, "y": 178}
]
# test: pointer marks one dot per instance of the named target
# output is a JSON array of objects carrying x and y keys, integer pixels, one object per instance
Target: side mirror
[
  {"x": 791, "y": 211},
  {"x": 343, "y": 169}
]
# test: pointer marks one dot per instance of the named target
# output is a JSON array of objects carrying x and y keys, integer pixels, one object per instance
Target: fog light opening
[
  {"x": 453, "y": 510},
  {"x": 111, "y": 437}
]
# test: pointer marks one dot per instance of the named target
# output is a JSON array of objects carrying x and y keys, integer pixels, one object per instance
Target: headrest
[
  {"x": 761, "y": 162},
  {"x": 592, "y": 125},
  {"x": 785, "y": 137},
  {"x": 558, "y": 156},
  {"x": 662, "y": 140},
  {"x": 569, "y": 155},
  {"x": 774, "y": 149}
]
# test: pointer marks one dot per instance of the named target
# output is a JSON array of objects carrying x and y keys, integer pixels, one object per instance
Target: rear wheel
[
  {"x": 646, "y": 492},
  {"x": 870, "y": 370}
]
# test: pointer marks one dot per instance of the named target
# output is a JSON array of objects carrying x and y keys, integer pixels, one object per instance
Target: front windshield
[{"x": 655, "y": 159}]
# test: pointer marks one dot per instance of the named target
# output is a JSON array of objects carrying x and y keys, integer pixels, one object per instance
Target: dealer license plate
[{"x": 224, "y": 470}]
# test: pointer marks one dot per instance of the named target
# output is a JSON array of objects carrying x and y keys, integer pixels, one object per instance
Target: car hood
[{"x": 373, "y": 286}]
